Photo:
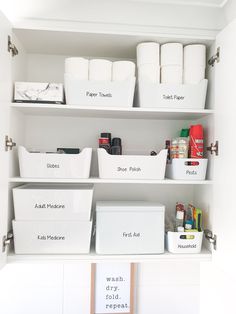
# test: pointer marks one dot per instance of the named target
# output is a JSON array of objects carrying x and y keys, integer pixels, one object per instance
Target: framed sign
[{"x": 112, "y": 288}]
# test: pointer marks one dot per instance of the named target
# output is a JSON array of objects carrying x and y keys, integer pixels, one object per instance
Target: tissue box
[{"x": 39, "y": 92}]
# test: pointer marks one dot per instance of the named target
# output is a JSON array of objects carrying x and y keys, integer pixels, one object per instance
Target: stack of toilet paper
[
  {"x": 171, "y": 63},
  {"x": 99, "y": 69}
]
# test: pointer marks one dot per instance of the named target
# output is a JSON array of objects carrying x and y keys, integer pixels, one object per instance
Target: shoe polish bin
[{"x": 131, "y": 166}]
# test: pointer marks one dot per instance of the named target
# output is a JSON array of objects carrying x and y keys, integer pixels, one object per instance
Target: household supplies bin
[
  {"x": 53, "y": 202},
  {"x": 99, "y": 93},
  {"x": 54, "y": 237},
  {"x": 170, "y": 96},
  {"x": 129, "y": 228},
  {"x": 44, "y": 165},
  {"x": 131, "y": 167},
  {"x": 187, "y": 169},
  {"x": 184, "y": 242}
]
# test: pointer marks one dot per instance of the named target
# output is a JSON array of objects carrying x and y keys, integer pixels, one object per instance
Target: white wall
[{"x": 230, "y": 11}]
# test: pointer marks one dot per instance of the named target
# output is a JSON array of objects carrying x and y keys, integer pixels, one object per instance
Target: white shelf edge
[
  {"x": 204, "y": 256},
  {"x": 106, "y": 181},
  {"x": 115, "y": 112}
]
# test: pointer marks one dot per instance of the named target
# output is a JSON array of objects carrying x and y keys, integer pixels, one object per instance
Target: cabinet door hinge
[
  {"x": 6, "y": 241},
  {"x": 210, "y": 237},
  {"x": 215, "y": 58},
  {"x": 9, "y": 144},
  {"x": 11, "y": 47},
  {"x": 214, "y": 148}
]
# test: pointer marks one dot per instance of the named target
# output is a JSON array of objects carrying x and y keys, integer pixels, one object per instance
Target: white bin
[
  {"x": 33, "y": 237},
  {"x": 53, "y": 202},
  {"x": 129, "y": 228},
  {"x": 172, "y": 96},
  {"x": 99, "y": 93},
  {"x": 184, "y": 242},
  {"x": 43, "y": 165},
  {"x": 181, "y": 169},
  {"x": 131, "y": 167}
]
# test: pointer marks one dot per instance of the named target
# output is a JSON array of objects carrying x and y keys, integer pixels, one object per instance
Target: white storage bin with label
[
  {"x": 43, "y": 165},
  {"x": 52, "y": 237},
  {"x": 167, "y": 96},
  {"x": 184, "y": 242},
  {"x": 53, "y": 202},
  {"x": 99, "y": 93},
  {"x": 129, "y": 228},
  {"x": 187, "y": 169},
  {"x": 131, "y": 166}
]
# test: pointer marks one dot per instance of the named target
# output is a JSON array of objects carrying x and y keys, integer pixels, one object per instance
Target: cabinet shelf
[
  {"x": 205, "y": 255},
  {"x": 105, "y": 181},
  {"x": 106, "y": 112}
]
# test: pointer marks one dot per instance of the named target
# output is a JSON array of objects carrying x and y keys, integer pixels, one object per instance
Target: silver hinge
[
  {"x": 210, "y": 237},
  {"x": 6, "y": 241},
  {"x": 215, "y": 58},
  {"x": 9, "y": 144},
  {"x": 11, "y": 47},
  {"x": 214, "y": 148}
]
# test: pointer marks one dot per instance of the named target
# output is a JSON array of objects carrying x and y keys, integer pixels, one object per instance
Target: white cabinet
[{"x": 47, "y": 127}]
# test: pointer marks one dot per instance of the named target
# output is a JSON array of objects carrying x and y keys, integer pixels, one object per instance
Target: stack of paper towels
[
  {"x": 99, "y": 69},
  {"x": 171, "y": 63}
]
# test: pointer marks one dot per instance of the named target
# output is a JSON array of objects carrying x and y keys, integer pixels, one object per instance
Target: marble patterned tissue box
[{"x": 39, "y": 92}]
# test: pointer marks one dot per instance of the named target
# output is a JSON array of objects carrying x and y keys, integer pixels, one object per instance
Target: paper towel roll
[
  {"x": 172, "y": 54},
  {"x": 100, "y": 70},
  {"x": 122, "y": 70},
  {"x": 148, "y": 53},
  {"x": 77, "y": 66},
  {"x": 193, "y": 74},
  {"x": 172, "y": 74},
  {"x": 150, "y": 72},
  {"x": 195, "y": 55}
]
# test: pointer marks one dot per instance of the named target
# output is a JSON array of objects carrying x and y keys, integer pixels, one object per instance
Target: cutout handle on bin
[
  {"x": 189, "y": 163},
  {"x": 187, "y": 237}
]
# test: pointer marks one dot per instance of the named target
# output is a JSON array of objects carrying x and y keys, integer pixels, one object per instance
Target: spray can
[{"x": 196, "y": 141}]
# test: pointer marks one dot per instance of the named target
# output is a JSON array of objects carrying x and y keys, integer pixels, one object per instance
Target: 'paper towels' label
[{"x": 98, "y": 94}]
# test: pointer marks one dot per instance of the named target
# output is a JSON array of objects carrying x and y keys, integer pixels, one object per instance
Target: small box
[
  {"x": 53, "y": 202},
  {"x": 39, "y": 92},
  {"x": 129, "y": 228},
  {"x": 184, "y": 242},
  {"x": 52, "y": 237},
  {"x": 55, "y": 165},
  {"x": 187, "y": 169}
]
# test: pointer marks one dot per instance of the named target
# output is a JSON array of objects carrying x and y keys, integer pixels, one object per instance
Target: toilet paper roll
[
  {"x": 172, "y": 54},
  {"x": 123, "y": 70},
  {"x": 148, "y": 53},
  {"x": 194, "y": 74},
  {"x": 78, "y": 67},
  {"x": 150, "y": 72},
  {"x": 195, "y": 55},
  {"x": 172, "y": 74},
  {"x": 100, "y": 70}
]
